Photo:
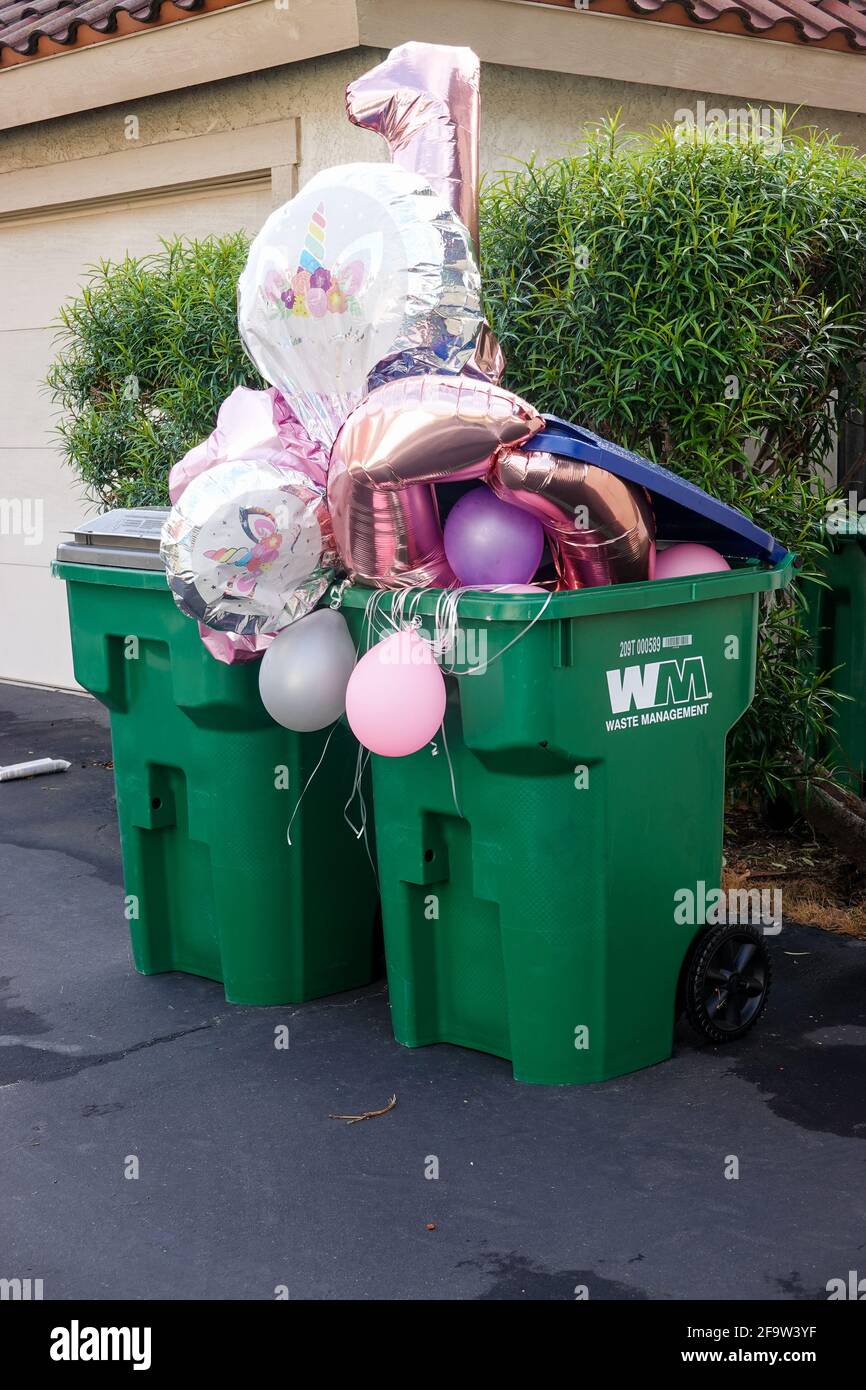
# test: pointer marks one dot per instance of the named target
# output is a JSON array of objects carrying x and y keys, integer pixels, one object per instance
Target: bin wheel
[{"x": 728, "y": 982}]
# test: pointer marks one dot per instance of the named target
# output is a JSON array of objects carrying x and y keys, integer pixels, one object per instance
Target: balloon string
[
  {"x": 374, "y": 622},
  {"x": 336, "y": 600},
  {"x": 397, "y": 615},
  {"x": 446, "y": 620},
  {"x": 360, "y": 764},
  {"x": 451, "y": 771},
  {"x": 307, "y": 783},
  {"x": 479, "y": 670},
  {"x": 357, "y": 789}
]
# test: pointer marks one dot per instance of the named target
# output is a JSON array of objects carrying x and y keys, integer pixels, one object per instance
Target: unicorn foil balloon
[
  {"x": 248, "y": 547},
  {"x": 366, "y": 275}
]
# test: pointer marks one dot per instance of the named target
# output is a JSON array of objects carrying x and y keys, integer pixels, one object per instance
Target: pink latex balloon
[
  {"x": 687, "y": 558},
  {"x": 395, "y": 700}
]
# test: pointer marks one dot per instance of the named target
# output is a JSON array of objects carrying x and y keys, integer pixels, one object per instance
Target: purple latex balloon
[{"x": 492, "y": 542}]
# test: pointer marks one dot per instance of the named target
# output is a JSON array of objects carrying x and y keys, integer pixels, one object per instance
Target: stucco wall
[{"x": 523, "y": 112}]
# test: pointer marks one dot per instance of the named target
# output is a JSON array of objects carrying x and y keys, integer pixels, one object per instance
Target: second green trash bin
[
  {"x": 206, "y": 784},
  {"x": 837, "y": 618},
  {"x": 530, "y": 908}
]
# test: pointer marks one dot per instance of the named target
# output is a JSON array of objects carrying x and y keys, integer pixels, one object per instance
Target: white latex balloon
[
  {"x": 305, "y": 672},
  {"x": 365, "y": 275}
]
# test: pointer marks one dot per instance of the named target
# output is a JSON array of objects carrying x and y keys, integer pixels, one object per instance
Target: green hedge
[
  {"x": 701, "y": 301},
  {"x": 146, "y": 355}
]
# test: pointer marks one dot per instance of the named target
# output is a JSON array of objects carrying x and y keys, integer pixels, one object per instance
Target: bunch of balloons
[{"x": 360, "y": 303}]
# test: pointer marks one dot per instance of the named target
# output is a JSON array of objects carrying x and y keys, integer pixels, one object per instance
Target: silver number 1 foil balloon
[
  {"x": 366, "y": 270},
  {"x": 424, "y": 101},
  {"x": 600, "y": 529},
  {"x": 405, "y": 437}
]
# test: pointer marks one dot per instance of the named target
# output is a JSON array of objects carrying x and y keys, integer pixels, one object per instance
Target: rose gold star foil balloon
[
  {"x": 405, "y": 437},
  {"x": 600, "y": 529},
  {"x": 423, "y": 99}
]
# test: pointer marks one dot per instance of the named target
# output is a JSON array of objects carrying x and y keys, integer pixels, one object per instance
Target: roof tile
[
  {"x": 36, "y": 28},
  {"x": 834, "y": 24}
]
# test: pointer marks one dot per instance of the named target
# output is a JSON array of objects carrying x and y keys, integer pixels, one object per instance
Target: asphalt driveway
[{"x": 245, "y": 1185}]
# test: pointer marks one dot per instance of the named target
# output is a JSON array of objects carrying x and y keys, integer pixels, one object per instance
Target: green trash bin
[
  {"x": 837, "y": 618},
  {"x": 530, "y": 910},
  {"x": 206, "y": 784}
]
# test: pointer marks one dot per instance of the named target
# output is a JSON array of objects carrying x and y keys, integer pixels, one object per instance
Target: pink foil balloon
[
  {"x": 686, "y": 558},
  {"x": 395, "y": 700},
  {"x": 231, "y": 647},
  {"x": 600, "y": 529},
  {"x": 250, "y": 424},
  {"x": 406, "y": 436},
  {"x": 423, "y": 99}
]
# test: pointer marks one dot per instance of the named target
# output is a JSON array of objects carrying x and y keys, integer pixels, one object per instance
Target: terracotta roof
[
  {"x": 38, "y": 28},
  {"x": 839, "y": 24}
]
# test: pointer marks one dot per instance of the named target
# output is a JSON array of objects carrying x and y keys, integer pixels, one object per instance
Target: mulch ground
[{"x": 819, "y": 887}]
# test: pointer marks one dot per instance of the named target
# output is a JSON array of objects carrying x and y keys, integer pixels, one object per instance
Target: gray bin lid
[{"x": 127, "y": 538}]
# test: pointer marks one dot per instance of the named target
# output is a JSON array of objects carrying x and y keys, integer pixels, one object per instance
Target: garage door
[{"x": 42, "y": 263}]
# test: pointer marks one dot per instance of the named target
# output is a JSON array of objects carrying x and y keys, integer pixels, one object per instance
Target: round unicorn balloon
[
  {"x": 248, "y": 547},
  {"x": 365, "y": 276}
]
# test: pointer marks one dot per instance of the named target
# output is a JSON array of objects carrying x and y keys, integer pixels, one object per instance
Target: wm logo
[{"x": 657, "y": 684}]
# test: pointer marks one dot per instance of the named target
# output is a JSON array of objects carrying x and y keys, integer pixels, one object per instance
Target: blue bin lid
[{"x": 683, "y": 511}]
